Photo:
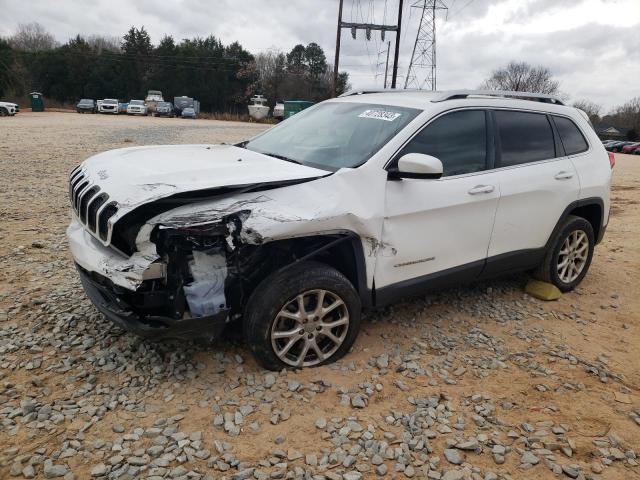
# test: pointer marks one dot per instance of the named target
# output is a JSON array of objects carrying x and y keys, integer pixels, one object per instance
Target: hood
[
  {"x": 132, "y": 176},
  {"x": 136, "y": 176}
]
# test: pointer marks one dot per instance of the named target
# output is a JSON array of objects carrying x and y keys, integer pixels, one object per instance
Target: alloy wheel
[
  {"x": 573, "y": 255},
  {"x": 310, "y": 328}
]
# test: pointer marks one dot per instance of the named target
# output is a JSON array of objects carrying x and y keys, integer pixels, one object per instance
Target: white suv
[
  {"x": 136, "y": 107},
  {"x": 352, "y": 203},
  {"x": 109, "y": 105},
  {"x": 8, "y": 109}
]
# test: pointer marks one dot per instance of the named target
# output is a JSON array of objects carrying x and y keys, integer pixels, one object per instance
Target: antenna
[{"x": 424, "y": 48}]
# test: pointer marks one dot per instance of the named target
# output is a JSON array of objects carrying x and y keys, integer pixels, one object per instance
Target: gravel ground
[{"x": 480, "y": 382}]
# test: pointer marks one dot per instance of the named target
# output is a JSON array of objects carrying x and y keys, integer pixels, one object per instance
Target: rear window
[
  {"x": 524, "y": 137},
  {"x": 572, "y": 139}
]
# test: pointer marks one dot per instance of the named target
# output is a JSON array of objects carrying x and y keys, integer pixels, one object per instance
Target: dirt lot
[{"x": 479, "y": 382}]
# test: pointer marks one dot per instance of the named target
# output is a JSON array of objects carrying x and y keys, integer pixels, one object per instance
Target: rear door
[{"x": 537, "y": 182}]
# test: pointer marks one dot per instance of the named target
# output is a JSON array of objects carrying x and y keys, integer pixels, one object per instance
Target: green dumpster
[
  {"x": 291, "y": 107},
  {"x": 37, "y": 102}
]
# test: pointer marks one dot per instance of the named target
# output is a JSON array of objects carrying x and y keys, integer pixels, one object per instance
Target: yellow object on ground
[{"x": 542, "y": 290}]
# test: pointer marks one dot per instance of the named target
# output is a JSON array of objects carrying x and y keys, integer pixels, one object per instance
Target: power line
[{"x": 462, "y": 8}]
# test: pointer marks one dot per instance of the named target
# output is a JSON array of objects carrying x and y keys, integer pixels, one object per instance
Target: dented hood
[{"x": 134, "y": 176}]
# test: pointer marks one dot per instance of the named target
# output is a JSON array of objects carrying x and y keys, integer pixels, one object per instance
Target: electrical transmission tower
[{"x": 422, "y": 69}]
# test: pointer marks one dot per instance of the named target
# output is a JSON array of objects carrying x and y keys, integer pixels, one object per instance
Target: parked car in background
[
  {"x": 619, "y": 146},
  {"x": 164, "y": 109},
  {"x": 122, "y": 107},
  {"x": 86, "y": 105},
  {"x": 136, "y": 107},
  {"x": 355, "y": 202},
  {"x": 630, "y": 147},
  {"x": 7, "y": 109},
  {"x": 109, "y": 105},
  {"x": 180, "y": 103},
  {"x": 188, "y": 112},
  {"x": 612, "y": 144},
  {"x": 15, "y": 106}
]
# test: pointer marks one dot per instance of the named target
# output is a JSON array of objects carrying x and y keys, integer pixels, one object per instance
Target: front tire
[
  {"x": 567, "y": 261},
  {"x": 305, "y": 315}
]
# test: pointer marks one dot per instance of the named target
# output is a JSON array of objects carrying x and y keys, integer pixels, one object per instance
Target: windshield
[
  {"x": 334, "y": 135},
  {"x": 85, "y": 101},
  {"x": 136, "y": 102},
  {"x": 110, "y": 101}
]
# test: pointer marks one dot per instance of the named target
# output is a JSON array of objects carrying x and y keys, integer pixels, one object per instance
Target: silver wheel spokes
[
  {"x": 573, "y": 256},
  {"x": 310, "y": 328}
]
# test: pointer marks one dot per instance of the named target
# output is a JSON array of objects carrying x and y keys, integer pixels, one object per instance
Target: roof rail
[
  {"x": 378, "y": 90},
  {"x": 459, "y": 94}
]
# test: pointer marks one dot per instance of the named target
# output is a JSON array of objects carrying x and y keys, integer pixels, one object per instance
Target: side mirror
[{"x": 418, "y": 165}]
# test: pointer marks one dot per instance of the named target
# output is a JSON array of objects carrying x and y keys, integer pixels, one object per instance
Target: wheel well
[
  {"x": 340, "y": 255},
  {"x": 340, "y": 251},
  {"x": 592, "y": 213}
]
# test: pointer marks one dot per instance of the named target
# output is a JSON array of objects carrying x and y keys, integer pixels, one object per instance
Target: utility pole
[
  {"x": 386, "y": 65},
  {"x": 368, "y": 28},
  {"x": 394, "y": 77},
  {"x": 337, "y": 60},
  {"x": 424, "y": 48}
]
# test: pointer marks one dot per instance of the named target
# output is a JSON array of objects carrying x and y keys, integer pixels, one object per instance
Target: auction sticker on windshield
[{"x": 380, "y": 115}]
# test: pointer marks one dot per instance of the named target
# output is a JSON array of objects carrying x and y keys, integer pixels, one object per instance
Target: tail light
[{"x": 612, "y": 159}]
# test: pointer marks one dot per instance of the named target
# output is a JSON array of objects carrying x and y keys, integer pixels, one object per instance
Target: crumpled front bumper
[
  {"x": 92, "y": 255},
  {"x": 119, "y": 288},
  {"x": 109, "y": 302}
]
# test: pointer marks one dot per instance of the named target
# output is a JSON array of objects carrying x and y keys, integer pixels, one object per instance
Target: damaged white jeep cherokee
[{"x": 352, "y": 203}]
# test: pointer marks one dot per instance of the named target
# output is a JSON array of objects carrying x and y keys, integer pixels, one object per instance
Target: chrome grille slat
[
  {"x": 84, "y": 186},
  {"x": 83, "y": 204},
  {"x": 93, "y": 207},
  {"x": 107, "y": 212}
]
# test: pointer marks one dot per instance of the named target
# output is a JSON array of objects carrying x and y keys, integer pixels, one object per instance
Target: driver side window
[{"x": 458, "y": 139}]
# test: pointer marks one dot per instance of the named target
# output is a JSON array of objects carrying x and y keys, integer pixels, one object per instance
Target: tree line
[
  {"x": 523, "y": 77},
  {"x": 222, "y": 77}
]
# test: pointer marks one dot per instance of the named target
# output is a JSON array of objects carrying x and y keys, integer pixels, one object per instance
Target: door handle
[
  {"x": 563, "y": 175},
  {"x": 481, "y": 189}
]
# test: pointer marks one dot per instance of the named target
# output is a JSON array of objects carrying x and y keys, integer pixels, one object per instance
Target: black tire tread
[
  {"x": 546, "y": 271},
  {"x": 279, "y": 287}
]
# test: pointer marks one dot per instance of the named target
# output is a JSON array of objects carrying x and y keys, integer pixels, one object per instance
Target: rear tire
[
  {"x": 568, "y": 259},
  {"x": 305, "y": 315}
]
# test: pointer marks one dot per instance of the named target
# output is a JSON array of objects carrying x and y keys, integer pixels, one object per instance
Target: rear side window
[
  {"x": 524, "y": 137},
  {"x": 572, "y": 139},
  {"x": 458, "y": 139}
]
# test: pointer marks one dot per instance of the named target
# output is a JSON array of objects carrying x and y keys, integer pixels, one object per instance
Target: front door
[{"x": 434, "y": 228}]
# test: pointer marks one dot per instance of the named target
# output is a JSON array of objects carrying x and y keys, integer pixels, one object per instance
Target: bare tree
[
  {"x": 106, "y": 43},
  {"x": 32, "y": 37},
  {"x": 628, "y": 115},
  {"x": 522, "y": 77},
  {"x": 590, "y": 108},
  {"x": 270, "y": 68}
]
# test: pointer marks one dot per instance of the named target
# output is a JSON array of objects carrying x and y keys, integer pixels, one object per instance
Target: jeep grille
[{"x": 90, "y": 204}]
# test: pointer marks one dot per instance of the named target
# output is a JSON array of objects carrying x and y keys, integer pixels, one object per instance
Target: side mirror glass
[{"x": 419, "y": 165}]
